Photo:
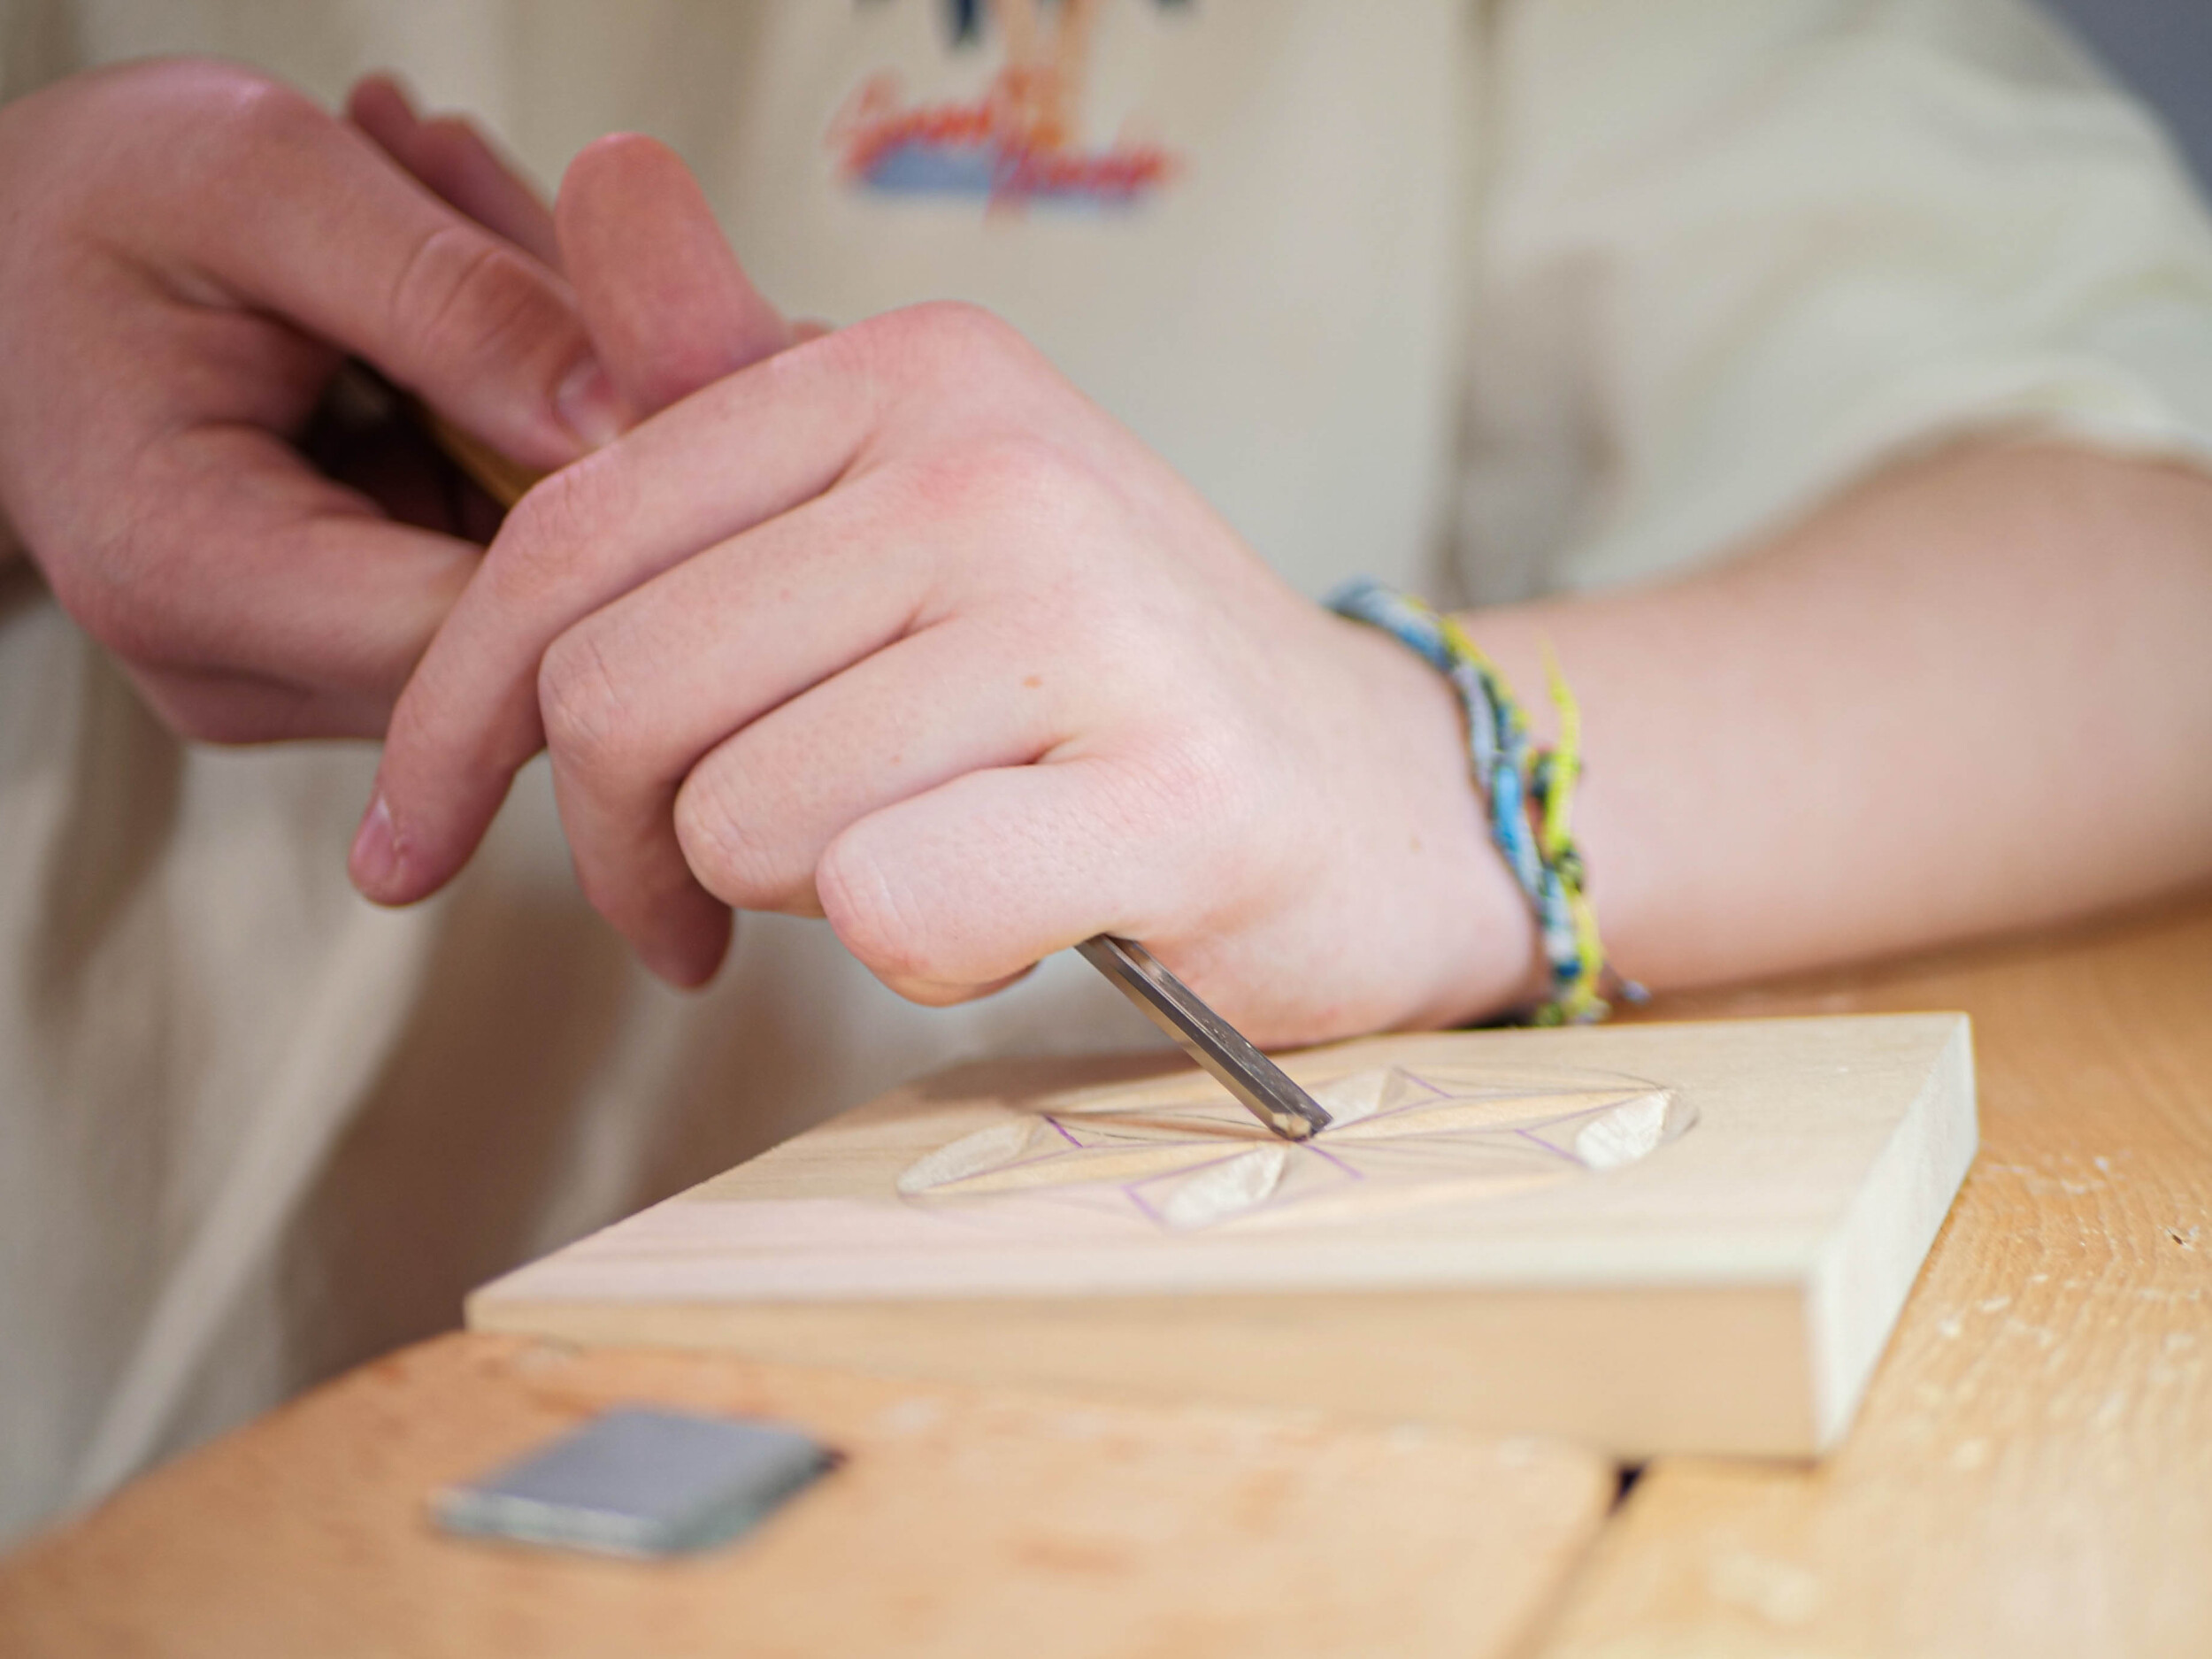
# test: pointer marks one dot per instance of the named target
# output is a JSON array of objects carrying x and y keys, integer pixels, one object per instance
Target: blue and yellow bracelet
[{"x": 1529, "y": 791}]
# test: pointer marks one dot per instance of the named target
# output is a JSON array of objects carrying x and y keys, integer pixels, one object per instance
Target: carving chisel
[{"x": 1257, "y": 1082}]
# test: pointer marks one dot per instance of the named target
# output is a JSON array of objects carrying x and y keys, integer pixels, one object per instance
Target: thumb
[{"x": 667, "y": 304}]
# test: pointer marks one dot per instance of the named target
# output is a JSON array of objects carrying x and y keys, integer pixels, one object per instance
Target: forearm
[{"x": 1973, "y": 694}]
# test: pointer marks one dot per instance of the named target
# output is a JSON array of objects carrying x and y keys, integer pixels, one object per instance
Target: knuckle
[
  {"x": 943, "y": 343},
  {"x": 204, "y": 127},
  {"x": 551, "y": 533},
  {"x": 580, "y": 700},
  {"x": 1023, "y": 484},
  {"x": 871, "y": 910},
  {"x": 119, "y": 591},
  {"x": 735, "y": 864},
  {"x": 236, "y": 121},
  {"x": 964, "y": 333},
  {"x": 246, "y": 112},
  {"x": 1193, "y": 783},
  {"x": 461, "y": 295}
]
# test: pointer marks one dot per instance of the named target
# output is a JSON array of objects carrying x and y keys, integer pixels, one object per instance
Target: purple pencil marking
[
  {"x": 1577, "y": 1114},
  {"x": 1560, "y": 1152},
  {"x": 1401, "y": 1142}
]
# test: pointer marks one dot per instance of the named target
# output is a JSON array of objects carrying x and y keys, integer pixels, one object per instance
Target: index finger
[{"x": 293, "y": 212}]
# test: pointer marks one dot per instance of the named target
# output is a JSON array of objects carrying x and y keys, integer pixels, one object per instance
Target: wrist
[
  {"x": 1527, "y": 792},
  {"x": 1460, "y": 913}
]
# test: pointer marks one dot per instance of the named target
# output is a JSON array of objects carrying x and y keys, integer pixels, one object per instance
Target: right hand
[{"x": 188, "y": 252}]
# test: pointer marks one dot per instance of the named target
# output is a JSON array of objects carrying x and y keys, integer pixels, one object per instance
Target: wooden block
[
  {"x": 1654, "y": 1239},
  {"x": 964, "y": 1523}
]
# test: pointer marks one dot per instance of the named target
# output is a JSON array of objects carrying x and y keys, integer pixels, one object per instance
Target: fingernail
[
  {"x": 375, "y": 861},
  {"x": 588, "y": 405}
]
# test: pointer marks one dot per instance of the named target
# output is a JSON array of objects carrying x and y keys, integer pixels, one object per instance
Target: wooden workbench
[{"x": 2031, "y": 1473}]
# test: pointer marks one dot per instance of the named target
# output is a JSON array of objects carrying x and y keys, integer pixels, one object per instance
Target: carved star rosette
[{"x": 1180, "y": 1154}]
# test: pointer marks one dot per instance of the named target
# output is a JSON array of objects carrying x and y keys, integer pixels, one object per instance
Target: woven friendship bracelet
[{"x": 1529, "y": 791}]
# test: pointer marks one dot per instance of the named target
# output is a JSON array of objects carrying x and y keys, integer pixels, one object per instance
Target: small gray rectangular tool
[
  {"x": 1255, "y": 1080},
  {"x": 640, "y": 1481}
]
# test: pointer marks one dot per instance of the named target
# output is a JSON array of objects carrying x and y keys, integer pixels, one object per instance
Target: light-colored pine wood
[
  {"x": 1729, "y": 1290},
  {"x": 965, "y": 1524},
  {"x": 2032, "y": 1474}
]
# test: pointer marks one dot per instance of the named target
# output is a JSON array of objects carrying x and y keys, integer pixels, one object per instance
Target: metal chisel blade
[{"x": 1211, "y": 1041}]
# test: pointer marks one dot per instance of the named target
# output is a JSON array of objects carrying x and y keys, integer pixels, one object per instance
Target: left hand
[{"x": 896, "y": 628}]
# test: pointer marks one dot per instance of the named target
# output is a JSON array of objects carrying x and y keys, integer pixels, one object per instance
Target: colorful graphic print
[{"x": 1017, "y": 144}]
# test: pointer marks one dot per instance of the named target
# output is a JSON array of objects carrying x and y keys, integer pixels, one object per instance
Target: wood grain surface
[
  {"x": 2031, "y": 1473},
  {"x": 1727, "y": 1292},
  {"x": 967, "y": 1523}
]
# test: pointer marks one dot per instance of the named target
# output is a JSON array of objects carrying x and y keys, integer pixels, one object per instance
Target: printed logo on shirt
[{"x": 1021, "y": 142}]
